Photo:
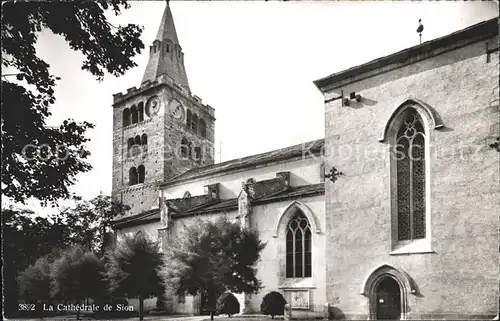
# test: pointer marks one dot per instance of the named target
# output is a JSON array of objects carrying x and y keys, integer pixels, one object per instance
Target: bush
[
  {"x": 273, "y": 304},
  {"x": 228, "y": 304}
]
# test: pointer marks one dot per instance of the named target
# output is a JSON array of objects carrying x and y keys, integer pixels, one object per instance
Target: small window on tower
[
  {"x": 141, "y": 173},
  {"x": 130, "y": 145},
  {"x": 133, "y": 112},
  {"x": 132, "y": 176},
  {"x": 167, "y": 47},
  {"x": 188, "y": 118},
  {"x": 184, "y": 147},
  {"x": 203, "y": 128},
  {"x": 194, "y": 123},
  {"x": 126, "y": 117},
  {"x": 140, "y": 112},
  {"x": 197, "y": 154}
]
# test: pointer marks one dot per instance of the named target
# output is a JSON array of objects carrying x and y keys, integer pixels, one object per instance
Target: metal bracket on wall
[
  {"x": 341, "y": 97},
  {"x": 490, "y": 51}
]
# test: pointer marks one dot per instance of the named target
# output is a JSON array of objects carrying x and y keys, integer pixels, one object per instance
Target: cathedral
[{"x": 393, "y": 215}]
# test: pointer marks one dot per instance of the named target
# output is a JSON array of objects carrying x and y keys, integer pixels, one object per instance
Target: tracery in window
[
  {"x": 298, "y": 247},
  {"x": 410, "y": 171}
]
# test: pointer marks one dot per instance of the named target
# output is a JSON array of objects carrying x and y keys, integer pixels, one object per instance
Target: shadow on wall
[
  {"x": 335, "y": 313},
  {"x": 362, "y": 103}
]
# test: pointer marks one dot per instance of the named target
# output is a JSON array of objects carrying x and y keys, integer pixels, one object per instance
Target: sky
[{"x": 254, "y": 62}]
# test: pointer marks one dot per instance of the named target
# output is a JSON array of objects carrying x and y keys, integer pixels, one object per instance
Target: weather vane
[{"x": 420, "y": 29}]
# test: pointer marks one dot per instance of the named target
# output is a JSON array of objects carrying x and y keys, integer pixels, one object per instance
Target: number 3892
[{"x": 27, "y": 307}]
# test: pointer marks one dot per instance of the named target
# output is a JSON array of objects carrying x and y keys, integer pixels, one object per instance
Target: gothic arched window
[
  {"x": 410, "y": 176},
  {"x": 298, "y": 247},
  {"x": 203, "y": 128},
  {"x": 144, "y": 140},
  {"x": 132, "y": 176},
  {"x": 126, "y": 117},
  {"x": 141, "y": 171}
]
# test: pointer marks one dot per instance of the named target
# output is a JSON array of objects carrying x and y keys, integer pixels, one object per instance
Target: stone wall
[{"x": 458, "y": 275}]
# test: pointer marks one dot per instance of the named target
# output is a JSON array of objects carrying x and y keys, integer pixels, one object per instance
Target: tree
[
  {"x": 90, "y": 222},
  {"x": 213, "y": 258},
  {"x": 273, "y": 304},
  {"x": 78, "y": 275},
  {"x": 27, "y": 237},
  {"x": 26, "y": 98},
  {"x": 35, "y": 282},
  {"x": 228, "y": 304},
  {"x": 134, "y": 268}
]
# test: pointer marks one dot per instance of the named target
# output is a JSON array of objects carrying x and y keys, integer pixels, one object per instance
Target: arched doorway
[
  {"x": 388, "y": 299},
  {"x": 387, "y": 288}
]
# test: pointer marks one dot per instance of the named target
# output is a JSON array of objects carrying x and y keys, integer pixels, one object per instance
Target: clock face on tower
[
  {"x": 153, "y": 106},
  {"x": 177, "y": 109}
]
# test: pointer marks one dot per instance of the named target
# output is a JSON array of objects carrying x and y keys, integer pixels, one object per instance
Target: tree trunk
[
  {"x": 141, "y": 308},
  {"x": 211, "y": 302}
]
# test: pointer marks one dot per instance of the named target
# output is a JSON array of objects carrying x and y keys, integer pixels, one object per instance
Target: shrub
[
  {"x": 273, "y": 304},
  {"x": 228, "y": 304}
]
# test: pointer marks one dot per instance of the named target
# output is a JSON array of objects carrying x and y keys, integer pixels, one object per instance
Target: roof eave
[{"x": 472, "y": 34}]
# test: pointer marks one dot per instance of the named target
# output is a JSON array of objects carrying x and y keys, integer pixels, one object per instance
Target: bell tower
[{"x": 159, "y": 129}]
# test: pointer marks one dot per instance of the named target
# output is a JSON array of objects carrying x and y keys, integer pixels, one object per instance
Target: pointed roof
[
  {"x": 167, "y": 27},
  {"x": 165, "y": 56}
]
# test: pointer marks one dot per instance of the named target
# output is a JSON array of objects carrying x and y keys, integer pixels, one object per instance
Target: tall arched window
[
  {"x": 190, "y": 150},
  {"x": 133, "y": 114},
  {"x": 126, "y": 117},
  {"x": 298, "y": 247},
  {"x": 144, "y": 140},
  {"x": 197, "y": 154},
  {"x": 203, "y": 128},
  {"x": 194, "y": 122},
  {"x": 140, "y": 111},
  {"x": 188, "y": 118},
  {"x": 410, "y": 175},
  {"x": 184, "y": 147},
  {"x": 130, "y": 145},
  {"x": 141, "y": 171},
  {"x": 132, "y": 176}
]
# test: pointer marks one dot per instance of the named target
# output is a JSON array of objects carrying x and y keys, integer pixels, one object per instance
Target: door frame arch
[
  {"x": 371, "y": 282},
  {"x": 374, "y": 304}
]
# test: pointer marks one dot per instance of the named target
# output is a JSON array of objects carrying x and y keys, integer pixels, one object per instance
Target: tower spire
[{"x": 165, "y": 55}]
